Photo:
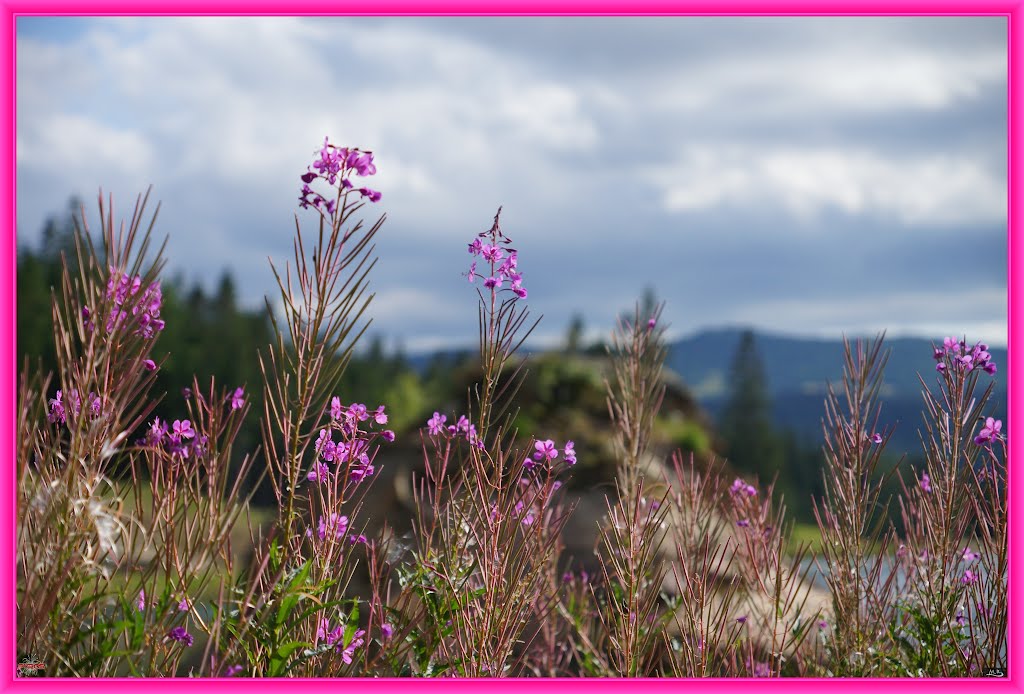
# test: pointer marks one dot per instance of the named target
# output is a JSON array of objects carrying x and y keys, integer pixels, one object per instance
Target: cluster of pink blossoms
[
  {"x": 335, "y": 164},
  {"x": 743, "y": 501},
  {"x": 991, "y": 431},
  {"x": 60, "y": 410},
  {"x": 179, "y": 439},
  {"x": 145, "y": 311},
  {"x": 965, "y": 358},
  {"x": 463, "y": 428},
  {"x": 336, "y": 637},
  {"x": 354, "y": 448},
  {"x": 502, "y": 263},
  {"x": 545, "y": 454}
]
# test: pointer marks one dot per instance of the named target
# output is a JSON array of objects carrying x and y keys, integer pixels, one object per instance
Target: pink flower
[
  {"x": 237, "y": 399},
  {"x": 182, "y": 429},
  {"x": 545, "y": 450},
  {"x": 570, "y": 453}
]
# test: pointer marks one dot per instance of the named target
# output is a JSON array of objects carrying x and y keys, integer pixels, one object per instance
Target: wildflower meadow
[{"x": 139, "y": 553}]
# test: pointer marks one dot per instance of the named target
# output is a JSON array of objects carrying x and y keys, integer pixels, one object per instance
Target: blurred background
[{"x": 777, "y": 182}]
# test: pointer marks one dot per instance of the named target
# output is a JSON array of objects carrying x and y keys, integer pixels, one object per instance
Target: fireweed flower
[
  {"x": 740, "y": 487},
  {"x": 570, "y": 453},
  {"x": 184, "y": 605},
  {"x": 964, "y": 357},
  {"x": 180, "y": 635},
  {"x": 334, "y": 524},
  {"x": 989, "y": 432},
  {"x": 379, "y": 416},
  {"x": 926, "y": 483},
  {"x": 876, "y": 438},
  {"x": 237, "y": 399},
  {"x": 386, "y": 631},
  {"x": 233, "y": 670},
  {"x": 336, "y": 411},
  {"x": 350, "y": 648},
  {"x": 545, "y": 451},
  {"x": 182, "y": 429},
  {"x": 503, "y": 262},
  {"x": 140, "y": 602},
  {"x": 969, "y": 555},
  {"x": 57, "y": 413},
  {"x": 334, "y": 165},
  {"x": 435, "y": 425},
  {"x": 969, "y": 577},
  {"x": 319, "y": 473},
  {"x": 149, "y": 364}
]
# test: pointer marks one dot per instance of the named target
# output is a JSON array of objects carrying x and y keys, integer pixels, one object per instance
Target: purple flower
[
  {"x": 941, "y": 366},
  {"x": 386, "y": 630},
  {"x": 373, "y": 195},
  {"x": 651, "y": 323},
  {"x": 140, "y": 602},
  {"x": 493, "y": 282},
  {"x": 876, "y": 438},
  {"x": 926, "y": 483},
  {"x": 379, "y": 416},
  {"x": 334, "y": 523},
  {"x": 969, "y": 555},
  {"x": 157, "y": 432},
  {"x": 742, "y": 619},
  {"x": 184, "y": 605},
  {"x": 969, "y": 577},
  {"x": 360, "y": 471},
  {"x": 435, "y": 425},
  {"x": 149, "y": 364},
  {"x": 233, "y": 670},
  {"x": 989, "y": 432},
  {"x": 491, "y": 254},
  {"x": 570, "y": 453},
  {"x": 545, "y": 451},
  {"x": 475, "y": 248},
  {"x": 335, "y": 408},
  {"x": 57, "y": 413},
  {"x": 237, "y": 399},
  {"x": 182, "y": 429},
  {"x": 179, "y": 634},
  {"x": 350, "y": 648},
  {"x": 319, "y": 473},
  {"x": 357, "y": 411},
  {"x": 743, "y": 523}
]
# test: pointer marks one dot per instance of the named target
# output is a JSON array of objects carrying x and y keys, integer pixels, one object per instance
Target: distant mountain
[{"x": 798, "y": 369}]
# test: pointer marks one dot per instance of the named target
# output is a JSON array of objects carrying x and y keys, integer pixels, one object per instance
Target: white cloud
[
  {"x": 924, "y": 190},
  {"x": 840, "y": 78},
  {"x": 944, "y": 310}
]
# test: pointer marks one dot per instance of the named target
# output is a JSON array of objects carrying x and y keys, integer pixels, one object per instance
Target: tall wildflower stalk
[
  {"x": 954, "y": 605},
  {"x": 634, "y": 529},
  {"x": 117, "y": 535},
  {"x": 486, "y": 532},
  {"x": 296, "y": 617},
  {"x": 852, "y": 515}
]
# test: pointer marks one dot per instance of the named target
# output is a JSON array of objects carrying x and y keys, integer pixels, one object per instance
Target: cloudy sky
[{"x": 806, "y": 175}]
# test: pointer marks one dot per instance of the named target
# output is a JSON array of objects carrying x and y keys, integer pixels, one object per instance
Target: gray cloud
[{"x": 810, "y": 174}]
